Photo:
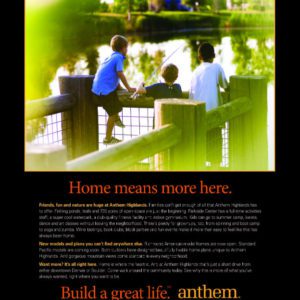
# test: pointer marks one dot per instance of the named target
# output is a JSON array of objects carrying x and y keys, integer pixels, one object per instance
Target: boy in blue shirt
[
  {"x": 164, "y": 90},
  {"x": 107, "y": 82}
]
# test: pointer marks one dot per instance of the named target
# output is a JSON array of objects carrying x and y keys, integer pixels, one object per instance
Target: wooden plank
[
  {"x": 45, "y": 157},
  {"x": 139, "y": 102},
  {"x": 84, "y": 115},
  {"x": 182, "y": 113},
  {"x": 240, "y": 135},
  {"x": 185, "y": 94},
  {"x": 225, "y": 97},
  {"x": 259, "y": 125},
  {"x": 48, "y": 106},
  {"x": 248, "y": 132},
  {"x": 125, "y": 154},
  {"x": 218, "y": 116},
  {"x": 200, "y": 136}
]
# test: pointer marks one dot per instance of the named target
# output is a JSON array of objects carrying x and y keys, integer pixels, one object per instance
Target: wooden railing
[
  {"x": 48, "y": 106},
  {"x": 126, "y": 154},
  {"x": 181, "y": 128}
]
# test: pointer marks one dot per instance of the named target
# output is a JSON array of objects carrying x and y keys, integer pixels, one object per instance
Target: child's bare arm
[{"x": 125, "y": 82}]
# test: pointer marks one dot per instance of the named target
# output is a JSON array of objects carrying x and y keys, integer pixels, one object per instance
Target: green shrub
[
  {"x": 175, "y": 21},
  {"x": 251, "y": 20}
]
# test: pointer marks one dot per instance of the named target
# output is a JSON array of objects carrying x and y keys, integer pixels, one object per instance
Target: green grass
[
  {"x": 167, "y": 21},
  {"x": 172, "y": 21},
  {"x": 252, "y": 19}
]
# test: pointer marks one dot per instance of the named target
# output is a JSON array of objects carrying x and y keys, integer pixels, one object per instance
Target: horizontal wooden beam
[
  {"x": 125, "y": 154},
  {"x": 45, "y": 157},
  {"x": 139, "y": 102},
  {"x": 48, "y": 106},
  {"x": 148, "y": 102},
  {"x": 218, "y": 116}
]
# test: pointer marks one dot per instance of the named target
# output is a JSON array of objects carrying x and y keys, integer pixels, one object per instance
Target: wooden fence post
[
  {"x": 83, "y": 116},
  {"x": 248, "y": 139},
  {"x": 48, "y": 157},
  {"x": 189, "y": 116}
]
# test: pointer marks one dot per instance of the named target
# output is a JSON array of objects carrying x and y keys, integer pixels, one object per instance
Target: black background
[
  {"x": 247, "y": 187},
  {"x": 25, "y": 189}
]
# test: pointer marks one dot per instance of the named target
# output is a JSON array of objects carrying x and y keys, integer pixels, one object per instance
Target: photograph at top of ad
[{"x": 174, "y": 85}]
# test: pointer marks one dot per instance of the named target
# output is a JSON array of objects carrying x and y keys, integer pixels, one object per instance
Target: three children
[{"x": 205, "y": 86}]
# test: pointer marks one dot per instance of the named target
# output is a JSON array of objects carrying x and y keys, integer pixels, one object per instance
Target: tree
[
  {"x": 261, "y": 4},
  {"x": 103, "y": 7},
  {"x": 254, "y": 4},
  {"x": 123, "y": 6},
  {"x": 147, "y": 64},
  {"x": 219, "y": 4},
  {"x": 80, "y": 6},
  {"x": 238, "y": 3},
  {"x": 258, "y": 60},
  {"x": 92, "y": 59},
  {"x": 90, "y": 6}
]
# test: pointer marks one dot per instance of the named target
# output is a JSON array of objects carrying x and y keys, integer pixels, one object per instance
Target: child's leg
[
  {"x": 110, "y": 125},
  {"x": 119, "y": 122},
  {"x": 112, "y": 106}
]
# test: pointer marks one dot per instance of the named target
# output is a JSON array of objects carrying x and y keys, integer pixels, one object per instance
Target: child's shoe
[{"x": 111, "y": 141}]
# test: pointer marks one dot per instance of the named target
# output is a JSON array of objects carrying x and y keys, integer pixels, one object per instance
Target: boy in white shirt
[{"x": 205, "y": 86}]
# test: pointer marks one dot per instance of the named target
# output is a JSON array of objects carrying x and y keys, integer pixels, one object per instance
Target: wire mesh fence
[
  {"x": 141, "y": 120},
  {"x": 137, "y": 121},
  {"x": 225, "y": 146},
  {"x": 56, "y": 129},
  {"x": 217, "y": 147},
  {"x": 51, "y": 129}
]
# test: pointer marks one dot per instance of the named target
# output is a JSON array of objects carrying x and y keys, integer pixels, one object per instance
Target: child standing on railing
[
  {"x": 107, "y": 82},
  {"x": 205, "y": 86}
]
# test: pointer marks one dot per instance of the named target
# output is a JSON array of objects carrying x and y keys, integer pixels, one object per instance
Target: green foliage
[
  {"x": 80, "y": 6},
  {"x": 219, "y": 4},
  {"x": 54, "y": 37},
  {"x": 251, "y": 20},
  {"x": 122, "y": 6},
  {"x": 103, "y": 7},
  {"x": 255, "y": 60},
  {"x": 35, "y": 127},
  {"x": 148, "y": 64},
  {"x": 151, "y": 22},
  {"x": 238, "y": 2},
  {"x": 259, "y": 5}
]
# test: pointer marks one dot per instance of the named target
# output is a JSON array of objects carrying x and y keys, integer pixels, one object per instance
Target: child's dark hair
[
  {"x": 207, "y": 51},
  {"x": 169, "y": 73},
  {"x": 118, "y": 42}
]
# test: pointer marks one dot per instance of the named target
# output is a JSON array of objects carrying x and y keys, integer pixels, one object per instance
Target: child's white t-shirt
[{"x": 206, "y": 80}]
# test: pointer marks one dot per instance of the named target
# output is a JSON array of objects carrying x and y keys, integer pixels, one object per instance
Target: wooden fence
[{"x": 178, "y": 141}]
